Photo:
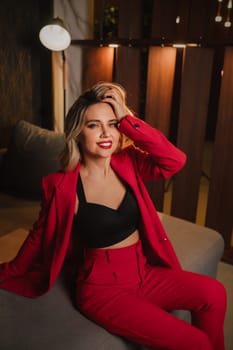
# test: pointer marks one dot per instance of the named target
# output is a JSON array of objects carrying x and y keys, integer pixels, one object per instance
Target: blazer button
[{"x": 136, "y": 125}]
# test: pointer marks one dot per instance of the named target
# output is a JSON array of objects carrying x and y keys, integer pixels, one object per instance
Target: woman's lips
[{"x": 105, "y": 144}]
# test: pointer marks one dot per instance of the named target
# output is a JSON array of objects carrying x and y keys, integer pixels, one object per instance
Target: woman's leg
[
  {"x": 203, "y": 296},
  {"x": 127, "y": 297},
  {"x": 122, "y": 312}
]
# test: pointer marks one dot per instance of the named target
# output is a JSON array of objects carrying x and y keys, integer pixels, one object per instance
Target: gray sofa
[{"x": 51, "y": 321}]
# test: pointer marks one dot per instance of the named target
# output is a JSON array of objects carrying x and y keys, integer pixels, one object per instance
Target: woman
[{"x": 98, "y": 221}]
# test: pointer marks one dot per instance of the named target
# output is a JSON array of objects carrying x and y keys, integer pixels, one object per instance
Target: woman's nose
[{"x": 104, "y": 131}]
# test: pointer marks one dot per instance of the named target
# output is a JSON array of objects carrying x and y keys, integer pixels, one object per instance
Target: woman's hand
[{"x": 118, "y": 104}]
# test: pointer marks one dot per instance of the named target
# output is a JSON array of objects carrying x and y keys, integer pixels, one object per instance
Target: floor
[{"x": 16, "y": 213}]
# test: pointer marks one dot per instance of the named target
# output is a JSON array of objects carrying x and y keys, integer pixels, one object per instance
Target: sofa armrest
[
  {"x": 30, "y": 319},
  {"x": 198, "y": 248}
]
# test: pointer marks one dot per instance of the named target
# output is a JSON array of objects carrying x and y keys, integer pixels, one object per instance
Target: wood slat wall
[
  {"x": 128, "y": 74},
  {"x": 195, "y": 87},
  {"x": 220, "y": 201},
  {"x": 159, "y": 91},
  {"x": 160, "y": 80}
]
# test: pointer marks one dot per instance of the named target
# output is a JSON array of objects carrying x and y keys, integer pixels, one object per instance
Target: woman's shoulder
[
  {"x": 56, "y": 178},
  {"x": 53, "y": 179},
  {"x": 55, "y": 175}
]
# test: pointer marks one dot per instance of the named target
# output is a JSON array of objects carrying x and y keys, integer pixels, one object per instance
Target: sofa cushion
[{"x": 33, "y": 152}]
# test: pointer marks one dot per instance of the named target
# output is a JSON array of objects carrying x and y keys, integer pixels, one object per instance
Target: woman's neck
[{"x": 95, "y": 167}]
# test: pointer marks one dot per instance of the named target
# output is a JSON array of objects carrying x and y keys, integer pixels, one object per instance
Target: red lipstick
[{"x": 105, "y": 144}]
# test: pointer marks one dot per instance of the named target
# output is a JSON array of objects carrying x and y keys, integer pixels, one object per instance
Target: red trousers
[{"x": 120, "y": 291}]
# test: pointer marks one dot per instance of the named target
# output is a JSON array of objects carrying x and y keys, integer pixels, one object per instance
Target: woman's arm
[{"x": 156, "y": 156}]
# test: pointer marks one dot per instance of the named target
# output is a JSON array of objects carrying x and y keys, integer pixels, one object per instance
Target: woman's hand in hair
[{"x": 115, "y": 100}]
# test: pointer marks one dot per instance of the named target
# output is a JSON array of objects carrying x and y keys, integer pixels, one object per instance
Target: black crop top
[{"x": 99, "y": 226}]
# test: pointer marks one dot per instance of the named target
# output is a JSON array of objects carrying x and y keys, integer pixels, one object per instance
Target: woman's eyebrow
[
  {"x": 100, "y": 121},
  {"x": 92, "y": 120}
]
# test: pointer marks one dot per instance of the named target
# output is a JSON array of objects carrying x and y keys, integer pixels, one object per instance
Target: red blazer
[{"x": 41, "y": 257}]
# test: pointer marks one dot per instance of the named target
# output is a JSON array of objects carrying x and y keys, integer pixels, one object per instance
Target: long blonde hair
[{"x": 75, "y": 119}]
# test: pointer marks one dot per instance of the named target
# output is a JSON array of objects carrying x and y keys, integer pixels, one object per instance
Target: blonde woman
[{"x": 98, "y": 222}]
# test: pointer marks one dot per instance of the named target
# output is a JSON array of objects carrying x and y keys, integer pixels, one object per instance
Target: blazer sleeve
[
  {"x": 155, "y": 155},
  {"x": 31, "y": 248}
]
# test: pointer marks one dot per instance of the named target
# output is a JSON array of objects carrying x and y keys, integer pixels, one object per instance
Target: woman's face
[{"x": 100, "y": 136}]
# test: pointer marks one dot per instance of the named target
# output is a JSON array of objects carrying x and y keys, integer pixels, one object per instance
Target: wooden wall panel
[
  {"x": 195, "y": 87},
  {"x": 160, "y": 80},
  {"x": 220, "y": 201},
  {"x": 127, "y": 73},
  {"x": 97, "y": 65}
]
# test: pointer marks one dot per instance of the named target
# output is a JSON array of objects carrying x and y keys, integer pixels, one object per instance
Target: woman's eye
[
  {"x": 92, "y": 125},
  {"x": 113, "y": 125}
]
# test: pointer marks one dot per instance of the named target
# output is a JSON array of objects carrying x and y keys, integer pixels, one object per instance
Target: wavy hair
[{"x": 74, "y": 122}]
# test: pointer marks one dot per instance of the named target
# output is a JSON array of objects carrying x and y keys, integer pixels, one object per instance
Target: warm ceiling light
[
  {"x": 179, "y": 46},
  {"x": 54, "y": 35},
  {"x": 113, "y": 45},
  {"x": 193, "y": 44}
]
